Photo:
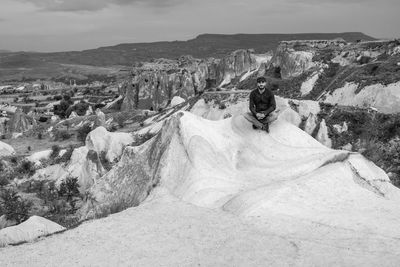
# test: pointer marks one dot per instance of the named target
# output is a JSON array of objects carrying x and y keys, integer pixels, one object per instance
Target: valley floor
[{"x": 165, "y": 231}]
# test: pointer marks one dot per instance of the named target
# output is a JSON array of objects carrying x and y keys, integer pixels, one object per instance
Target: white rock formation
[
  {"x": 310, "y": 124},
  {"x": 28, "y": 231},
  {"x": 341, "y": 128},
  {"x": 285, "y": 179},
  {"x": 55, "y": 118},
  {"x": 293, "y": 63},
  {"x": 385, "y": 98},
  {"x": 89, "y": 111},
  {"x": 276, "y": 199},
  {"x": 322, "y": 135},
  {"x": 176, "y": 100},
  {"x": 307, "y": 107},
  {"x": 6, "y": 149},
  {"x": 4, "y": 223},
  {"x": 112, "y": 143},
  {"x": 73, "y": 115},
  {"x": 100, "y": 119},
  {"x": 290, "y": 116},
  {"x": 308, "y": 85},
  {"x": 85, "y": 163},
  {"x": 38, "y": 156}
]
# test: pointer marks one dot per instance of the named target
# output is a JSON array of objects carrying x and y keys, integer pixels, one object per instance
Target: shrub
[
  {"x": 14, "y": 160},
  {"x": 222, "y": 106},
  {"x": 83, "y": 132},
  {"x": 48, "y": 192},
  {"x": 69, "y": 189},
  {"x": 26, "y": 167},
  {"x": 61, "y": 135},
  {"x": 104, "y": 161},
  {"x": 14, "y": 208},
  {"x": 3, "y": 180},
  {"x": 55, "y": 151},
  {"x": 66, "y": 156},
  {"x": 227, "y": 115},
  {"x": 141, "y": 138},
  {"x": 120, "y": 120}
]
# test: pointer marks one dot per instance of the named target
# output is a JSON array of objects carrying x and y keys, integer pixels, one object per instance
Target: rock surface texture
[
  {"x": 27, "y": 231},
  {"x": 153, "y": 85},
  {"x": 212, "y": 183}
]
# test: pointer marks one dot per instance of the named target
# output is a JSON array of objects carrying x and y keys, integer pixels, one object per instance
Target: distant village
[{"x": 25, "y": 104}]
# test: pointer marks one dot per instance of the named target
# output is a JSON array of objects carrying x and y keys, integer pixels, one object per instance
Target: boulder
[
  {"x": 29, "y": 230},
  {"x": 111, "y": 143},
  {"x": 6, "y": 149},
  {"x": 322, "y": 135},
  {"x": 4, "y": 223},
  {"x": 73, "y": 115},
  {"x": 310, "y": 124},
  {"x": 176, "y": 101},
  {"x": 100, "y": 119},
  {"x": 20, "y": 122}
]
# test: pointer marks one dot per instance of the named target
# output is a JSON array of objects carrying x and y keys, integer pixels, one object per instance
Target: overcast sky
[{"x": 62, "y": 25}]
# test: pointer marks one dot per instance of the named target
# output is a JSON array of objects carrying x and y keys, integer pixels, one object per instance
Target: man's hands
[{"x": 260, "y": 116}]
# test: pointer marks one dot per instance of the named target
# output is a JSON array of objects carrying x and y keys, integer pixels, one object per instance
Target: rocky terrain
[
  {"x": 174, "y": 150},
  {"x": 292, "y": 190},
  {"x": 110, "y": 61}
]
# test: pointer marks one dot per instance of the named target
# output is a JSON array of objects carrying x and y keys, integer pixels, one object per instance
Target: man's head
[{"x": 261, "y": 83}]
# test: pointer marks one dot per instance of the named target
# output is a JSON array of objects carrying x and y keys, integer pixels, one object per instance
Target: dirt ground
[{"x": 21, "y": 144}]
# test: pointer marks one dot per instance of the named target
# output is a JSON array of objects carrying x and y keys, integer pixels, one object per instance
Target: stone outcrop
[
  {"x": 6, "y": 149},
  {"x": 322, "y": 135},
  {"x": 132, "y": 179},
  {"x": 29, "y": 230},
  {"x": 296, "y": 57},
  {"x": 86, "y": 163},
  {"x": 384, "y": 98},
  {"x": 153, "y": 85},
  {"x": 20, "y": 122}
]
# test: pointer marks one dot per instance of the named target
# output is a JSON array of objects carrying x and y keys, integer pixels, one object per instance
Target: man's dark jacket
[{"x": 262, "y": 103}]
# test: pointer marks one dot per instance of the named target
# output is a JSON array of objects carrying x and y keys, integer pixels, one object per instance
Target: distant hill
[
  {"x": 4, "y": 51},
  {"x": 203, "y": 46}
]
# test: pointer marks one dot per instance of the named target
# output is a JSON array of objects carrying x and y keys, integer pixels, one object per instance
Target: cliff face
[
  {"x": 364, "y": 74},
  {"x": 309, "y": 69},
  {"x": 154, "y": 84}
]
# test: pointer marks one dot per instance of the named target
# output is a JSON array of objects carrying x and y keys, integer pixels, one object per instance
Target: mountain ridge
[{"x": 38, "y": 65}]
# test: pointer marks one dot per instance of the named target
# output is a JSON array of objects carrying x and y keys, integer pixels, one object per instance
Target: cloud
[{"x": 94, "y": 5}]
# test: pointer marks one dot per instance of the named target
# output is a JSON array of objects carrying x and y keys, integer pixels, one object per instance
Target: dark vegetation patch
[
  {"x": 375, "y": 135},
  {"x": 13, "y": 206},
  {"x": 383, "y": 72},
  {"x": 331, "y": 78},
  {"x": 290, "y": 88},
  {"x": 60, "y": 204},
  {"x": 82, "y": 132}
]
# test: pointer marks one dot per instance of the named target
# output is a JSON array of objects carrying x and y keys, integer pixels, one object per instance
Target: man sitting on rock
[{"x": 262, "y": 105}]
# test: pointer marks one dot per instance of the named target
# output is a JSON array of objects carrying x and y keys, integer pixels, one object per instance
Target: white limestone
[
  {"x": 228, "y": 191},
  {"x": 29, "y": 230},
  {"x": 322, "y": 135},
  {"x": 176, "y": 100},
  {"x": 385, "y": 99},
  {"x": 308, "y": 85},
  {"x": 6, "y": 149}
]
